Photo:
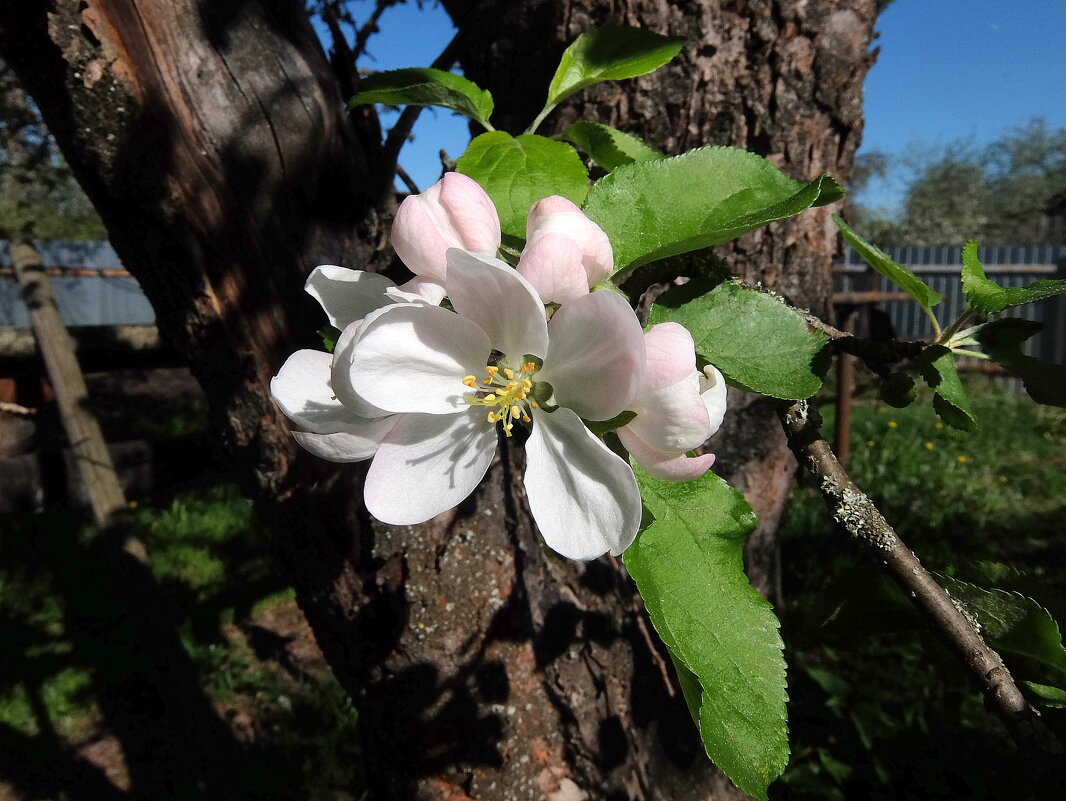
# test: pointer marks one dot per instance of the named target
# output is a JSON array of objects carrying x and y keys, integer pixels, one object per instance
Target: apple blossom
[
  {"x": 451, "y": 377},
  {"x": 566, "y": 253},
  {"x": 453, "y": 213},
  {"x": 677, "y": 407}
]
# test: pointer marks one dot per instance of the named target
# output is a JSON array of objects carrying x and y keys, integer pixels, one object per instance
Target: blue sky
[{"x": 948, "y": 70}]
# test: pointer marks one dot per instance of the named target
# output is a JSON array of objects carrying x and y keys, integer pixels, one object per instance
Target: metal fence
[
  {"x": 1009, "y": 266},
  {"x": 108, "y": 299},
  {"x": 94, "y": 296}
]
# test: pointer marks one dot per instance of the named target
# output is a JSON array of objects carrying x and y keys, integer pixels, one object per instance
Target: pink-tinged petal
[
  {"x": 472, "y": 214},
  {"x": 427, "y": 464},
  {"x": 414, "y": 358},
  {"x": 500, "y": 301},
  {"x": 418, "y": 239},
  {"x": 418, "y": 290},
  {"x": 666, "y": 466},
  {"x": 553, "y": 204},
  {"x": 584, "y": 497},
  {"x": 556, "y": 215},
  {"x": 713, "y": 393},
  {"x": 354, "y": 444},
  {"x": 671, "y": 419},
  {"x": 453, "y": 213},
  {"x": 552, "y": 264},
  {"x": 671, "y": 355},
  {"x": 347, "y": 295},
  {"x": 595, "y": 359},
  {"x": 302, "y": 390}
]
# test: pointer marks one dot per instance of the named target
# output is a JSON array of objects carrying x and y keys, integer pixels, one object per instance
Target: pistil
[{"x": 505, "y": 394}]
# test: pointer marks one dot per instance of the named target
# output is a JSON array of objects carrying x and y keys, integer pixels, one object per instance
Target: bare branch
[
  {"x": 412, "y": 187},
  {"x": 857, "y": 515}
]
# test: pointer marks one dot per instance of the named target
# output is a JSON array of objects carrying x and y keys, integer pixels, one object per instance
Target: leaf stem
[
  {"x": 945, "y": 337},
  {"x": 857, "y": 515},
  {"x": 548, "y": 109}
]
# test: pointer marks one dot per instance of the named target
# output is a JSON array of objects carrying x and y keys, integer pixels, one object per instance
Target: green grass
[
  {"x": 214, "y": 566},
  {"x": 879, "y": 709}
]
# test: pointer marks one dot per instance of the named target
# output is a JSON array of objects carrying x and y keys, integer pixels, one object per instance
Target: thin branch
[
  {"x": 370, "y": 27},
  {"x": 856, "y": 513},
  {"x": 400, "y": 132},
  {"x": 412, "y": 187}
]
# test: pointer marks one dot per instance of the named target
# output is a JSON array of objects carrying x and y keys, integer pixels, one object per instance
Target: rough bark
[{"x": 214, "y": 146}]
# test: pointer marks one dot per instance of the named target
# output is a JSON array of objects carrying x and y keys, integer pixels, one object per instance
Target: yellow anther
[
  {"x": 492, "y": 370},
  {"x": 493, "y": 417},
  {"x": 490, "y": 397},
  {"x": 535, "y": 405},
  {"x": 527, "y": 419},
  {"x": 470, "y": 381},
  {"x": 516, "y": 412},
  {"x": 526, "y": 384},
  {"x": 507, "y": 371},
  {"x": 520, "y": 396}
]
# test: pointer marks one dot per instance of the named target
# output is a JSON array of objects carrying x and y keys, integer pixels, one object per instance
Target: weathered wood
[
  {"x": 97, "y": 347},
  {"x": 57, "y": 349}
]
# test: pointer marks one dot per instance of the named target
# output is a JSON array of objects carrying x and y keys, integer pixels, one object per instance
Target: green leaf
[
  {"x": 423, "y": 86},
  {"x": 1002, "y": 341},
  {"x": 689, "y": 568},
  {"x": 655, "y": 209},
  {"x": 1011, "y": 622},
  {"x": 608, "y": 146},
  {"x": 893, "y": 271},
  {"x": 1047, "y": 696},
  {"x": 989, "y": 297},
  {"x": 937, "y": 365},
  {"x": 757, "y": 341},
  {"x": 329, "y": 336},
  {"x": 601, "y": 427},
  {"x": 518, "y": 171},
  {"x": 609, "y": 54}
]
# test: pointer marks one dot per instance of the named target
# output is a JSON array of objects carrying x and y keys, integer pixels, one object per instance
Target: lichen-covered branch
[{"x": 857, "y": 515}]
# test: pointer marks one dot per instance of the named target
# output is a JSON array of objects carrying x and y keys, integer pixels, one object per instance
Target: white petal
[
  {"x": 552, "y": 264},
  {"x": 713, "y": 393},
  {"x": 347, "y": 295},
  {"x": 354, "y": 444},
  {"x": 595, "y": 358},
  {"x": 302, "y": 390},
  {"x": 668, "y": 467},
  {"x": 342, "y": 370},
  {"x": 584, "y": 497},
  {"x": 414, "y": 358},
  {"x": 427, "y": 464},
  {"x": 500, "y": 301},
  {"x": 672, "y": 419},
  {"x": 418, "y": 290}
]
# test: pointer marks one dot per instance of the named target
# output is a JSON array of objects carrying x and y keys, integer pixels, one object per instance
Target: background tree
[
  {"x": 1010, "y": 192},
  {"x": 210, "y": 137}
]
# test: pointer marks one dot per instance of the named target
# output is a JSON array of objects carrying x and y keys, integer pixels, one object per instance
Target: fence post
[
  {"x": 83, "y": 431},
  {"x": 845, "y": 373}
]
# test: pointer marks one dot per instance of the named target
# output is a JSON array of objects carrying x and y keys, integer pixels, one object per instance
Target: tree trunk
[{"x": 213, "y": 144}]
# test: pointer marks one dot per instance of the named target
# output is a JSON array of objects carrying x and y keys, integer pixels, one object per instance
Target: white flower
[
  {"x": 677, "y": 407},
  {"x": 450, "y": 378}
]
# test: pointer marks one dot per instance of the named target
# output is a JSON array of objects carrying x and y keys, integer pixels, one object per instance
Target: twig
[
  {"x": 370, "y": 27},
  {"x": 412, "y": 187},
  {"x": 405, "y": 124},
  {"x": 16, "y": 408},
  {"x": 856, "y": 513}
]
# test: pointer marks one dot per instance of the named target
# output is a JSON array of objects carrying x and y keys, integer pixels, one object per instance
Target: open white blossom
[{"x": 452, "y": 378}]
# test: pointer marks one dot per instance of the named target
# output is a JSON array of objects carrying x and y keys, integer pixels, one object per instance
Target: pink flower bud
[
  {"x": 453, "y": 213},
  {"x": 557, "y": 217}
]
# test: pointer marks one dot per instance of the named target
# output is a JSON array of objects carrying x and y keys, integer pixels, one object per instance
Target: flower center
[{"x": 506, "y": 393}]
